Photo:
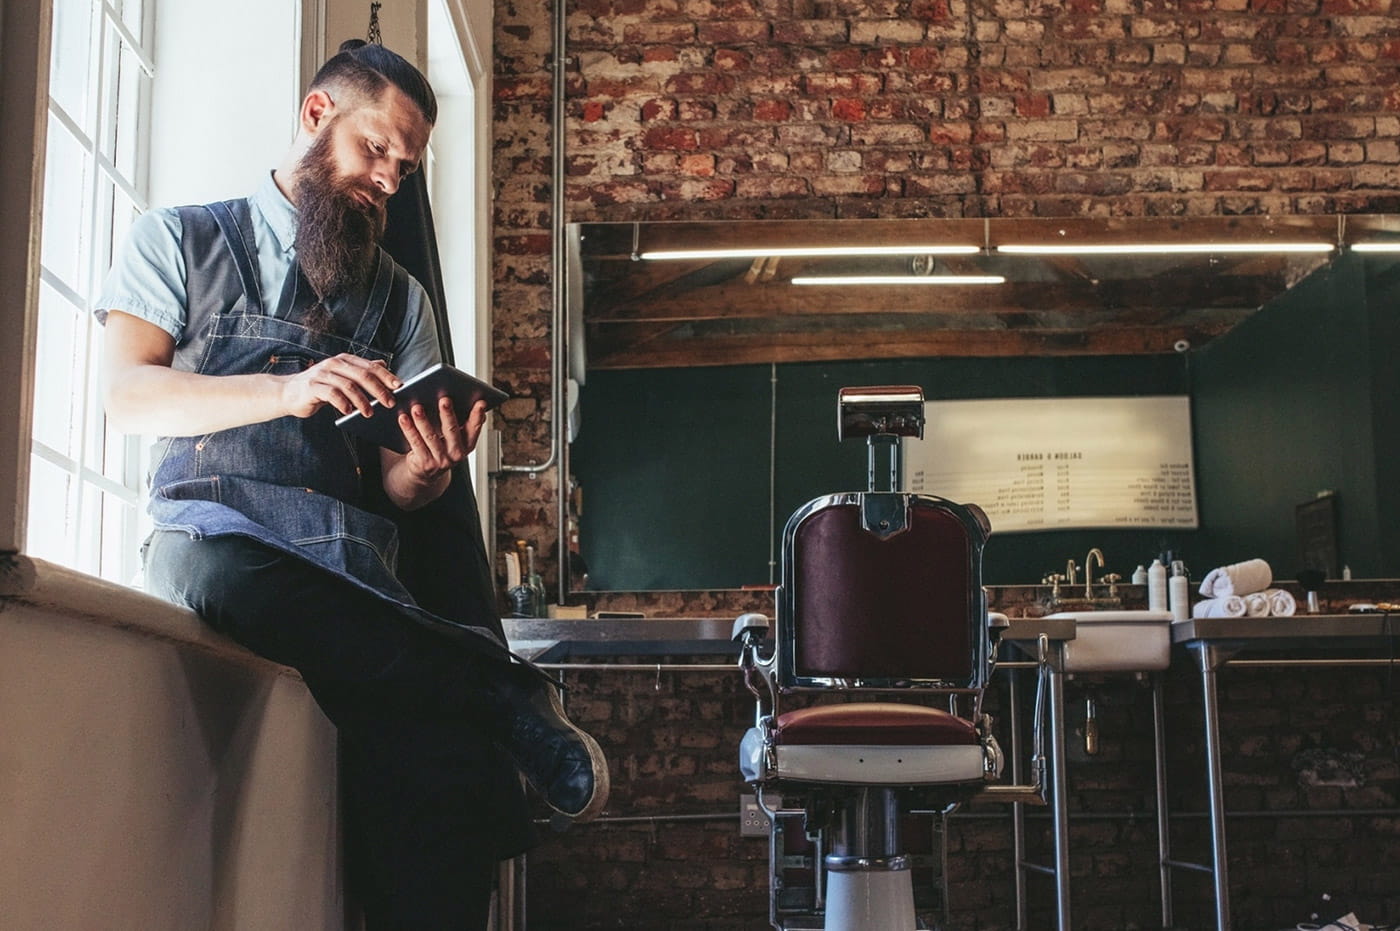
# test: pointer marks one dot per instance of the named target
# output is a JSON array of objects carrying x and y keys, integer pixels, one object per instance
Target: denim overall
[{"x": 294, "y": 484}]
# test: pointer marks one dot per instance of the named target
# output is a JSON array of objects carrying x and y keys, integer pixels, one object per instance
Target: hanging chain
[{"x": 374, "y": 37}]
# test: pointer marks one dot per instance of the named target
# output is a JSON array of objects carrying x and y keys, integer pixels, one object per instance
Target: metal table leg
[
  {"x": 1164, "y": 840},
  {"x": 1018, "y": 809},
  {"x": 1059, "y": 797},
  {"x": 1208, "y": 659}
]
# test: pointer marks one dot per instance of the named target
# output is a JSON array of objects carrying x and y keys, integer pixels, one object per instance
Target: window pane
[
  {"x": 124, "y": 213},
  {"x": 132, "y": 11},
  {"x": 118, "y": 559},
  {"x": 88, "y": 380},
  {"x": 50, "y": 512},
  {"x": 58, "y": 368},
  {"x": 69, "y": 57},
  {"x": 65, "y": 207},
  {"x": 130, "y": 82}
]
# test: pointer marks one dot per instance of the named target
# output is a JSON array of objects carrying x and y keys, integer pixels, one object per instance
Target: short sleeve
[
  {"x": 147, "y": 277},
  {"x": 416, "y": 347}
]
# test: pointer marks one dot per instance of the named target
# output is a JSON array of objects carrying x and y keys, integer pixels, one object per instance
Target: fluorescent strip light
[
  {"x": 1167, "y": 248},
  {"x": 1393, "y": 246},
  {"x": 759, "y": 252},
  {"x": 899, "y": 279}
]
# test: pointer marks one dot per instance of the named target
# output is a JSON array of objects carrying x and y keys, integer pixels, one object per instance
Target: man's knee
[{"x": 229, "y": 581}]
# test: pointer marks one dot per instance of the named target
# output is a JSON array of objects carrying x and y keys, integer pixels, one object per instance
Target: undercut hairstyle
[{"x": 369, "y": 69}]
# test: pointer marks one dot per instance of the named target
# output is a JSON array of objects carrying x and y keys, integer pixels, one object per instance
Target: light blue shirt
[{"x": 147, "y": 278}]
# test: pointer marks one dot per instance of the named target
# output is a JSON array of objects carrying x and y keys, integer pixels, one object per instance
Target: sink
[{"x": 1117, "y": 641}]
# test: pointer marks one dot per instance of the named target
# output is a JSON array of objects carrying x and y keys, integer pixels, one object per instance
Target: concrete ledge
[
  {"x": 155, "y": 774},
  {"x": 44, "y": 586}
]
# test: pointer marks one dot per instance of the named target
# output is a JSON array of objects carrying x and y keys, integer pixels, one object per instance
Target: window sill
[{"x": 44, "y": 586}]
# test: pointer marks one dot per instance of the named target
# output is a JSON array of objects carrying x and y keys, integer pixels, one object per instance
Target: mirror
[{"x": 709, "y": 380}]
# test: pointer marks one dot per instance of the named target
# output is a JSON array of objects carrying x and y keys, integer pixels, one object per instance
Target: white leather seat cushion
[{"x": 862, "y": 764}]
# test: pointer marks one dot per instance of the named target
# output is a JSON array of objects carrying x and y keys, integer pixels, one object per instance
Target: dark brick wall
[
  {"x": 911, "y": 108},
  {"x": 1291, "y": 740},
  {"x": 672, "y": 739}
]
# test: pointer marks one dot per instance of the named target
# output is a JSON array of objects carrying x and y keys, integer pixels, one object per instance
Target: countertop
[{"x": 1314, "y": 630}]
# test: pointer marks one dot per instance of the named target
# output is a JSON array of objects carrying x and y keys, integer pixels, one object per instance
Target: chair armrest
[
  {"x": 751, "y": 633},
  {"x": 749, "y": 627}
]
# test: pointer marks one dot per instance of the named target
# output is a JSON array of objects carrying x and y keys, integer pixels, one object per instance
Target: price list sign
[{"x": 1060, "y": 463}]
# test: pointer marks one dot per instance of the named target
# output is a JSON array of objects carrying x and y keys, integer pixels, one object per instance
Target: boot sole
[{"x": 602, "y": 781}]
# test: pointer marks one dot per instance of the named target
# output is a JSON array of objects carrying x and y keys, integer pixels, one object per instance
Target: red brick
[
  {"x": 658, "y": 109},
  {"x": 848, "y": 109},
  {"x": 772, "y": 110},
  {"x": 732, "y": 60},
  {"x": 775, "y": 186},
  {"x": 810, "y": 32},
  {"x": 670, "y": 138},
  {"x": 707, "y": 84},
  {"x": 1238, "y": 181}
]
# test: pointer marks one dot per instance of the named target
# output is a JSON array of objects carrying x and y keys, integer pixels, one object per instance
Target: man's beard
[{"x": 336, "y": 232}]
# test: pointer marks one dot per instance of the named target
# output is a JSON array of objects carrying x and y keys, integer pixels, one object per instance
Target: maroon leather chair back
[{"x": 877, "y": 609}]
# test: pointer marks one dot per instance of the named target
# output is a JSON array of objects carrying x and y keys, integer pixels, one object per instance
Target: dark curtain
[
  {"x": 410, "y": 239},
  {"x": 442, "y": 556}
]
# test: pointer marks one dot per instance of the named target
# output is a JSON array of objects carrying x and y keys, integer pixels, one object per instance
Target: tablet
[{"x": 442, "y": 380}]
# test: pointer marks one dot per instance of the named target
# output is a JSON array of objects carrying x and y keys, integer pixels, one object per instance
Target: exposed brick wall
[
  {"x": 940, "y": 108},
  {"x": 902, "y": 108}
]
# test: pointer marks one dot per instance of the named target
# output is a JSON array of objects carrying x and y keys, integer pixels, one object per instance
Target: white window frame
[
  {"x": 97, "y": 522},
  {"x": 461, "y": 200}
]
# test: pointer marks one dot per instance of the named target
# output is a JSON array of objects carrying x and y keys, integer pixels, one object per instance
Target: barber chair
[{"x": 880, "y": 596}]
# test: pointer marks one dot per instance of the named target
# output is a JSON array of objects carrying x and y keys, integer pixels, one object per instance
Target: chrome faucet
[{"x": 1094, "y": 553}]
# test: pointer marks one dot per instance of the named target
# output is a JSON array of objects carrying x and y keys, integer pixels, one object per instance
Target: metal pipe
[
  {"x": 1132, "y": 817},
  {"x": 653, "y": 819},
  {"x": 1359, "y": 661},
  {"x": 637, "y": 667},
  {"x": 558, "y": 335}
]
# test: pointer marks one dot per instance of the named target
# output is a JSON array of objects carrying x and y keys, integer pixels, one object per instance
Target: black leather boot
[{"x": 564, "y": 764}]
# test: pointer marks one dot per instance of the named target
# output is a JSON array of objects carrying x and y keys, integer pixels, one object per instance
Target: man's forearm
[{"x": 155, "y": 400}]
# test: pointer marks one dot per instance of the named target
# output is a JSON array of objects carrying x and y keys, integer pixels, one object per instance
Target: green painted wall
[
  {"x": 675, "y": 464},
  {"x": 1287, "y": 405}
]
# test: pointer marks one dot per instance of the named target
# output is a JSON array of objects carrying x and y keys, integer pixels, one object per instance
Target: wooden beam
[{"x": 681, "y": 349}]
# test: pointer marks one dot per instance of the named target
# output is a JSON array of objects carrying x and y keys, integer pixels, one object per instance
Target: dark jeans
[{"x": 430, "y": 804}]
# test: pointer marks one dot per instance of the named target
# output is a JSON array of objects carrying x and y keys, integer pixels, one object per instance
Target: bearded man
[{"x": 236, "y": 332}]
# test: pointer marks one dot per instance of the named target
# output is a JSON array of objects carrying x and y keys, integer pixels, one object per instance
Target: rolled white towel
[
  {"x": 1256, "y": 604},
  {"x": 1228, "y": 606},
  {"x": 1281, "y": 603},
  {"x": 1241, "y": 578}
]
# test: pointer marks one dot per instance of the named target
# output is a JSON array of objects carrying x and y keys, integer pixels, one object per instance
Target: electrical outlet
[{"x": 752, "y": 821}]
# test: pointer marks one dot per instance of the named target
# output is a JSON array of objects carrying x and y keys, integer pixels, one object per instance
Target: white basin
[{"x": 1117, "y": 641}]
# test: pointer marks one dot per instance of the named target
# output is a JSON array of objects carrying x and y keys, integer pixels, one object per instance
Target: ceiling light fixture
[
  {"x": 1393, "y": 246},
  {"x": 1164, "y": 248},
  {"x": 759, "y": 252},
  {"x": 899, "y": 279}
]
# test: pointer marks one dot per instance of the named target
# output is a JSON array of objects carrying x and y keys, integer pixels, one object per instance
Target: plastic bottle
[
  {"x": 1157, "y": 586},
  {"x": 535, "y": 583},
  {"x": 1139, "y": 575},
  {"x": 1178, "y": 592}
]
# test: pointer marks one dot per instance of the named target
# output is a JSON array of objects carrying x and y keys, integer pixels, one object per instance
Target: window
[{"x": 85, "y": 481}]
